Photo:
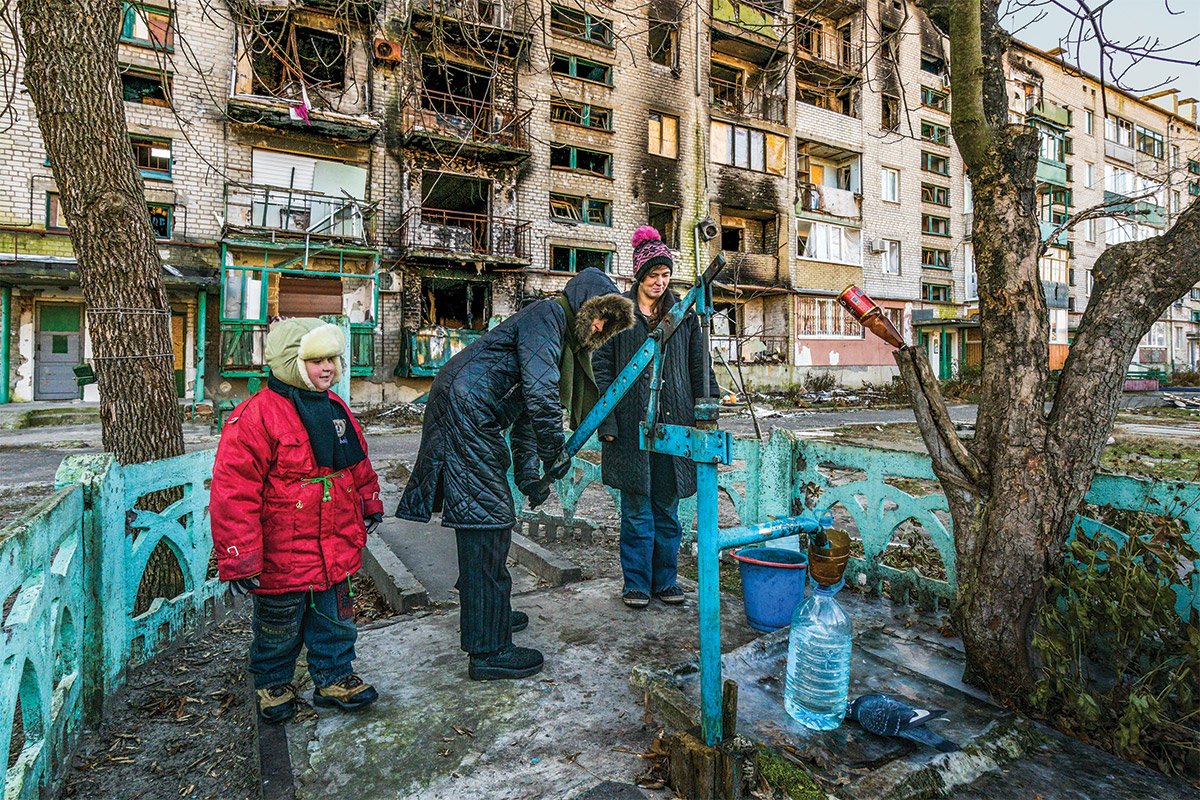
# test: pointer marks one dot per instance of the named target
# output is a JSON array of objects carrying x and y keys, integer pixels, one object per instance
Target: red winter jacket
[{"x": 270, "y": 517}]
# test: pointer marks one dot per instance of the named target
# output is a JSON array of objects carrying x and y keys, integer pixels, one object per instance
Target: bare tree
[
  {"x": 1015, "y": 488},
  {"x": 71, "y": 74}
]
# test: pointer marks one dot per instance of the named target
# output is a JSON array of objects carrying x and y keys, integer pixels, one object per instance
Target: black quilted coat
[
  {"x": 508, "y": 378},
  {"x": 625, "y": 466}
]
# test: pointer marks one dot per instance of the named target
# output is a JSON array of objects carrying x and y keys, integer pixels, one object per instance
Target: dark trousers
[
  {"x": 283, "y": 622},
  {"x": 484, "y": 589}
]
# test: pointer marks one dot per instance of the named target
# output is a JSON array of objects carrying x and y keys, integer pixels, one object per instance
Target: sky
[{"x": 1124, "y": 20}]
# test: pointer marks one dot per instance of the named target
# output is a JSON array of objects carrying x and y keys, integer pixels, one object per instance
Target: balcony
[
  {"x": 817, "y": 52},
  {"x": 1050, "y": 112},
  {"x": 823, "y": 120},
  {"x": 502, "y": 26},
  {"x": 730, "y": 97},
  {"x": 277, "y": 112},
  {"x": 749, "y": 349},
  {"x": 242, "y": 349},
  {"x": 1052, "y": 172},
  {"x": 455, "y": 126},
  {"x": 1057, "y": 294},
  {"x": 835, "y": 10},
  {"x": 251, "y": 207},
  {"x": 817, "y": 199},
  {"x": 747, "y": 270},
  {"x": 439, "y": 235},
  {"x": 426, "y": 350},
  {"x": 1142, "y": 210},
  {"x": 1118, "y": 152},
  {"x": 1047, "y": 228},
  {"x": 751, "y": 31}
]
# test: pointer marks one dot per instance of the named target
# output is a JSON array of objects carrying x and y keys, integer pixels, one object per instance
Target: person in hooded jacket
[
  {"x": 651, "y": 484},
  {"x": 517, "y": 377},
  {"x": 293, "y": 497}
]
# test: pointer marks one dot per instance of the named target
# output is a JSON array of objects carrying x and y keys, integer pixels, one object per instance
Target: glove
[
  {"x": 242, "y": 586},
  {"x": 557, "y": 468},
  {"x": 372, "y": 522},
  {"x": 535, "y": 492},
  {"x": 607, "y": 437}
]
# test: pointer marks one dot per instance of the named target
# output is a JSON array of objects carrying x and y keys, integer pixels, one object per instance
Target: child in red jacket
[{"x": 293, "y": 498}]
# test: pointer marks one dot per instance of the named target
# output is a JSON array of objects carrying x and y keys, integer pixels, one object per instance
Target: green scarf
[{"x": 576, "y": 383}]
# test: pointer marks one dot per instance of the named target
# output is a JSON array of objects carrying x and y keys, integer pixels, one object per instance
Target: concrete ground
[{"x": 436, "y": 735}]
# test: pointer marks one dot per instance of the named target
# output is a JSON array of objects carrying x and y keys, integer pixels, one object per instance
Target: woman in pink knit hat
[{"x": 651, "y": 484}]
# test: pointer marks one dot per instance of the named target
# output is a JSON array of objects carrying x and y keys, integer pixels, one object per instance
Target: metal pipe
[
  {"x": 803, "y": 524},
  {"x": 5, "y": 339},
  {"x": 708, "y": 558},
  {"x": 201, "y": 326}
]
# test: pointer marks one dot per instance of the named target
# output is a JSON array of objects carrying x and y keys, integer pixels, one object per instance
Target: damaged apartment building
[{"x": 420, "y": 169}]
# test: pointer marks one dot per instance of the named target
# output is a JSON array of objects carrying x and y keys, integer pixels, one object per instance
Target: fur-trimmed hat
[
  {"x": 649, "y": 251},
  {"x": 294, "y": 341},
  {"x": 592, "y": 295}
]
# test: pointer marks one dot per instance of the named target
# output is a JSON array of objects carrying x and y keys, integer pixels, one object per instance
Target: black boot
[
  {"x": 520, "y": 621},
  {"x": 511, "y": 662}
]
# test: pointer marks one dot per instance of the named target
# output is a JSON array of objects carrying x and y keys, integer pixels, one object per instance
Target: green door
[{"x": 946, "y": 363}]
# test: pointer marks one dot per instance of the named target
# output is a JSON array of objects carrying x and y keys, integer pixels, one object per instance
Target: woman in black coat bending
[
  {"x": 508, "y": 379},
  {"x": 651, "y": 484}
]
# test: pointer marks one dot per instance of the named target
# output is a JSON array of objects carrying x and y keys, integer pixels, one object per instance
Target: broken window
[
  {"x": 821, "y": 241},
  {"x": 581, "y": 209},
  {"x": 283, "y": 52},
  {"x": 732, "y": 239},
  {"x": 935, "y": 293},
  {"x": 932, "y": 193},
  {"x": 808, "y": 35},
  {"x": 933, "y": 162},
  {"x": 934, "y": 258},
  {"x": 935, "y": 226},
  {"x": 933, "y": 65},
  {"x": 580, "y": 159},
  {"x": 933, "y": 98},
  {"x": 576, "y": 259},
  {"x": 148, "y": 26},
  {"x": 161, "y": 219},
  {"x": 447, "y": 85},
  {"x": 581, "y": 25},
  {"x": 933, "y": 132},
  {"x": 153, "y": 157},
  {"x": 585, "y": 114},
  {"x": 151, "y": 87},
  {"x": 55, "y": 220},
  {"x": 582, "y": 68},
  {"x": 665, "y": 219},
  {"x": 890, "y": 120},
  {"x": 663, "y": 43},
  {"x": 748, "y": 148},
  {"x": 663, "y": 135},
  {"x": 462, "y": 305}
]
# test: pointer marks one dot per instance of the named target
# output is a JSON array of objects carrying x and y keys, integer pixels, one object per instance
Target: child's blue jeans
[{"x": 283, "y": 622}]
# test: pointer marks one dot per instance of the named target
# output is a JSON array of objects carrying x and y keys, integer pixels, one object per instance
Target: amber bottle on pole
[{"x": 870, "y": 316}]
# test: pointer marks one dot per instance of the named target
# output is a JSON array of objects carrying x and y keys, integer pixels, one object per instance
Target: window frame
[
  {"x": 670, "y": 47},
  {"x": 573, "y": 62},
  {"x": 884, "y": 182},
  {"x": 129, "y": 13},
  {"x": 889, "y": 102},
  {"x": 585, "y": 113},
  {"x": 170, "y": 209},
  {"x": 936, "y": 258},
  {"x": 936, "y": 99},
  {"x": 931, "y": 192},
  {"x": 929, "y": 229},
  {"x": 1142, "y": 135},
  {"x": 662, "y": 134},
  {"x": 832, "y": 321},
  {"x": 937, "y": 133},
  {"x": 574, "y": 251},
  {"x": 588, "y": 21},
  {"x": 891, "y": 246},
  {"x": 748, "y": 138},
  {"x": 670, "y": 236},
  {"x": 574, "y": 159},
  {"x": 164, "y": 78},
  {"x": 584, "y": 206},
  {"x": 927, "y": 293},
  {"x": 149, "y": 172},
  {"x": 927, "y": 160}
]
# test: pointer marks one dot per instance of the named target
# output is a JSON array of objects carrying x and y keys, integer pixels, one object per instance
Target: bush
[
  {"x": 1184, "y": 378},
  {"x": 820, "y": 382},
  {"x": 964, "y": 386},
  {"x": 1120, "y": 669}
]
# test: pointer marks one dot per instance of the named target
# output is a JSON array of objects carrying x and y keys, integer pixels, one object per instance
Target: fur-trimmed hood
[
  {"x": 592, "y": 295},
  {"x": 294, "y": 341}
]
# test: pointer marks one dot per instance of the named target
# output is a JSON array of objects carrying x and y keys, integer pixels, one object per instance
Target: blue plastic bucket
[{"x": 772, "y": 584}]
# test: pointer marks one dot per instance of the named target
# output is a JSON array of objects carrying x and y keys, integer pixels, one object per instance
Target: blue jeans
[
  {"x": 282, "y": 622},
  {"x": 650, "y": 535}
]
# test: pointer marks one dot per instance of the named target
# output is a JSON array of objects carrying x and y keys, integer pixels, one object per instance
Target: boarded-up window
[
  {"x": 663, "y": 134},
  {"x": 309, "y": 297}
]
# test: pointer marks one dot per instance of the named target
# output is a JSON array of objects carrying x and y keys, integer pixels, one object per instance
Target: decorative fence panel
[{"x": 72, "y": 569}]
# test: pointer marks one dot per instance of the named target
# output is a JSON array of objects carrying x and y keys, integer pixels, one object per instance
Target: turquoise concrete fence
[
  {"x": 880, "y": 494},
  {"x": 71, "y": 572}
]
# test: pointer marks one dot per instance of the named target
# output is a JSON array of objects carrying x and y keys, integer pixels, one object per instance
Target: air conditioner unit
[
  {"x": 877, "y": 245},
  {"x": 386, "y": 50},
  {"x": 388, "y": 282}
]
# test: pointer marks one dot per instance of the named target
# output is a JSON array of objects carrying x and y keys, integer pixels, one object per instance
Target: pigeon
[{"x": 887, "y": 716}]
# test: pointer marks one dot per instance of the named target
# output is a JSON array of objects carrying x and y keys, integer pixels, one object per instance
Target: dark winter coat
[
  {"x": 271, "y": 513},
  {"x": 508, "y": 378},
  {"x": 625, "y": 466}
]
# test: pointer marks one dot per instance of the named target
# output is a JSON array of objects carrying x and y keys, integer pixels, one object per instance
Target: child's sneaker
[
  {"x": 349, "y": 694},
  {"x": 277, "y": 703}
]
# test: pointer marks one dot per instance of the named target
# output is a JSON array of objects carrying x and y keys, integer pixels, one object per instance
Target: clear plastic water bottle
[{"x": 818, "y": 665}]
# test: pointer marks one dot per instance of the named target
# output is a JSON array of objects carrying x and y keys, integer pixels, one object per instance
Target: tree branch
[{"x": 968, "y": 118}]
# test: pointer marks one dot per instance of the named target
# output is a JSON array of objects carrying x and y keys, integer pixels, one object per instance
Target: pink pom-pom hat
[{"x": 649, "y": 251}]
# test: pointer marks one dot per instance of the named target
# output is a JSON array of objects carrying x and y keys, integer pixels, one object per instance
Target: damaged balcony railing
[
  {"x": 494, "y": 13},
  {"x": 735, "y": 99},
  {"x": 466, "y": 119},
  {"x": 463, "y": 233},
  {"x": 749, "y": 349},
  {"x": 814, "y": 45},
  {"x": 829, "y": 200},
  {"x": 271, "y": 208}
]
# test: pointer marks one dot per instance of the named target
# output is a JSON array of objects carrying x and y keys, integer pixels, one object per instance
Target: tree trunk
[{"x": 71, "y": 74}]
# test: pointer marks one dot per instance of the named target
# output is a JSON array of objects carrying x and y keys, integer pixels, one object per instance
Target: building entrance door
[{"x": 57, "y": 353}]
